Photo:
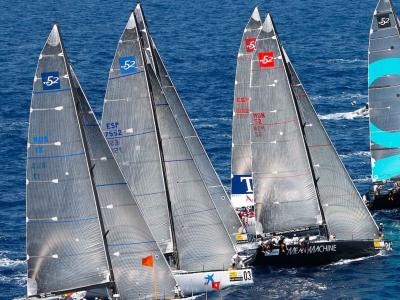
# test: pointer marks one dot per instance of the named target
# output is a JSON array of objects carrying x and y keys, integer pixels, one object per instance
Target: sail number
[
  {"x": 247, "y": 275},
  {"x": 112, "y": 132}
]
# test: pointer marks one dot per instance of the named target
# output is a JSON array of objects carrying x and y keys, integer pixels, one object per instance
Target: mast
[
  {"x": 303, "y": 124},
  {"x": 96, "y": 196},
  {"x": 89, "y": 162},
  {"x": 346, "y": 215},
  {"x": 284, "y": 188},
  {"x": 160, "y": 147},
  {"x": 129, "y": 238}
]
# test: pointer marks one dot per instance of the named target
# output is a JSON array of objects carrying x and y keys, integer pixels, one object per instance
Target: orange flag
[{"x": 148, "y": 261}]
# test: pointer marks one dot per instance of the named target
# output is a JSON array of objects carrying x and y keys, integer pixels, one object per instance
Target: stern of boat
[{"x": 193, "y": 283}]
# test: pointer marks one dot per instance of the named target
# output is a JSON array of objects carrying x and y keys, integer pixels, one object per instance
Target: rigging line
[
  {"x": 79, "y": 114},
  {"x": 311, "y": 165},
  {"x": 158, "y": 137}
]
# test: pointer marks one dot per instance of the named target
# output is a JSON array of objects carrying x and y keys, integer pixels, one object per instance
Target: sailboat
[
  {"x": 383, "y": 97},
  {"x": 84, "y": 227},
  {"x": 306, "y": 207},
  {"x": 140, "y": 123}
]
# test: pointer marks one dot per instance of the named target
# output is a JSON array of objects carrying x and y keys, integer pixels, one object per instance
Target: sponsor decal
[
  {"x": 266, "y": 59},
  {"x": 242, "y": 105},
  {"x": 51, "y": 81},
  {"x": 383, "y": 20},
  {"x": 250, "y": 44},
  {"x": 127, "y": 65},
  {"x": 241, "y": 238},
  {"x": 209, "y": 278},
  {"x": 235, "y": 276},
  {"x": 242, "y": 191},
  {"x": 379, "y": 244},
  {"x": 311, "y": 249}
]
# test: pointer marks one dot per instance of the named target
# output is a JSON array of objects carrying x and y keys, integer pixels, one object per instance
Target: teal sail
[{"x": 384, "y": 93}]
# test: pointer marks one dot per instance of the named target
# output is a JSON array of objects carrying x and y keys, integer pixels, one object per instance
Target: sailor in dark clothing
[{"x": 282, "y": 245}]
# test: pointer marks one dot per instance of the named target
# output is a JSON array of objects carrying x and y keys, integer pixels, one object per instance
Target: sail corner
[
  {"x": 54, "y": 36},
  {"x": 131, "y": 22},
  {"x": 256, "y": 14},
  {"x": 268, "y": 25}
]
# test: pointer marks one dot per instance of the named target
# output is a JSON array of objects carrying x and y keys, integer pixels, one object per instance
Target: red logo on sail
[
  {"x": 250, "y": 44},
  {"x": 266, "y": 59}
]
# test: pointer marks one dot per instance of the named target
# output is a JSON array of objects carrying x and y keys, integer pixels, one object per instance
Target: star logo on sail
[
  {"x": 383, "y": 21},
  {"x": 266, "y": 59},
  {"x": 51, "y": 81},
  {"x": 250, "y": 44},
  {"x": 127, "y": 65}
]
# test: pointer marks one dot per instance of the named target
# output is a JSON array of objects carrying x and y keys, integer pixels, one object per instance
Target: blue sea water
[{"x": 327, "y": 42}]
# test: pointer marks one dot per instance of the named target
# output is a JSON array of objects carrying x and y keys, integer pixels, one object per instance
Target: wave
[
  {"x": 347, "y": 61},
  {"x": 19, "y": 279},
  {"x": 357, "y": 154},
  {"x": 358, "y": 113},
  {"x": 363, "y": 179},
  {"x": 7, "y": 263},
  {"x": 349, "y": 261}
]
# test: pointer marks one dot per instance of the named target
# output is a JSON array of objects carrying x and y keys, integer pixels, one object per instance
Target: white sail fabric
[
  {"x": 384, "y": 93},
  {"x": 128, "y": 124},
  {"x": 284, "y": 189},
  {"x": 128, "y": 237},
  {"x": 346, "y": 215},
  {"x": 202, "y": 240},
  {"x": 200, "y": 157},
  {"x": 65, "y": 248},
  {"x": 241, "y": 182}
]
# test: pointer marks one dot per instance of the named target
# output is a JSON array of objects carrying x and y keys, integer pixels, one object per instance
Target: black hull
[
  {"x": 385, "y": 201},
  {"x": 320, "y": 253}
]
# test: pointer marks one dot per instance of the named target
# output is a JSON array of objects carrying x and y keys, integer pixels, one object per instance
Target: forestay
[
  {"x": 284, "y": 188},
  {"x": 202, "y": 240},
  {"x": 241, "y": 182},
  {"x": 65, "y": 248},
  {"x": 128, "y": 237},
  {"x": 384, "y": 93},
  {"x": 345, "y": 213},
  {"x": 128, "y": 124}
]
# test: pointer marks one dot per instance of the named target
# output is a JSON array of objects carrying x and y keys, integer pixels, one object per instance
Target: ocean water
[{"x": 326, "y": 40}]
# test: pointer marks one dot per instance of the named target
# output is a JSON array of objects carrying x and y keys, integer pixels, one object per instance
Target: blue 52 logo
[
  {"x": 51, "y": 81},
  {"x": 127, "y": 65}
]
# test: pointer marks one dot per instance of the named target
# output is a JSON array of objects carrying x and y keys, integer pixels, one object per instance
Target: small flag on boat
[
  {"x": 148, "y": 261},
  {"x": 216, "y": 285}
]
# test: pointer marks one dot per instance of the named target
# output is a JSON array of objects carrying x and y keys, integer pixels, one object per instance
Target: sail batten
[
  {"x": 383, "y": 93},
  {"x": 65, "y": 245}
]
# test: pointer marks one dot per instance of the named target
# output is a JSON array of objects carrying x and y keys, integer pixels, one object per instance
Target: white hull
[{"x": 200, "y": 282}]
